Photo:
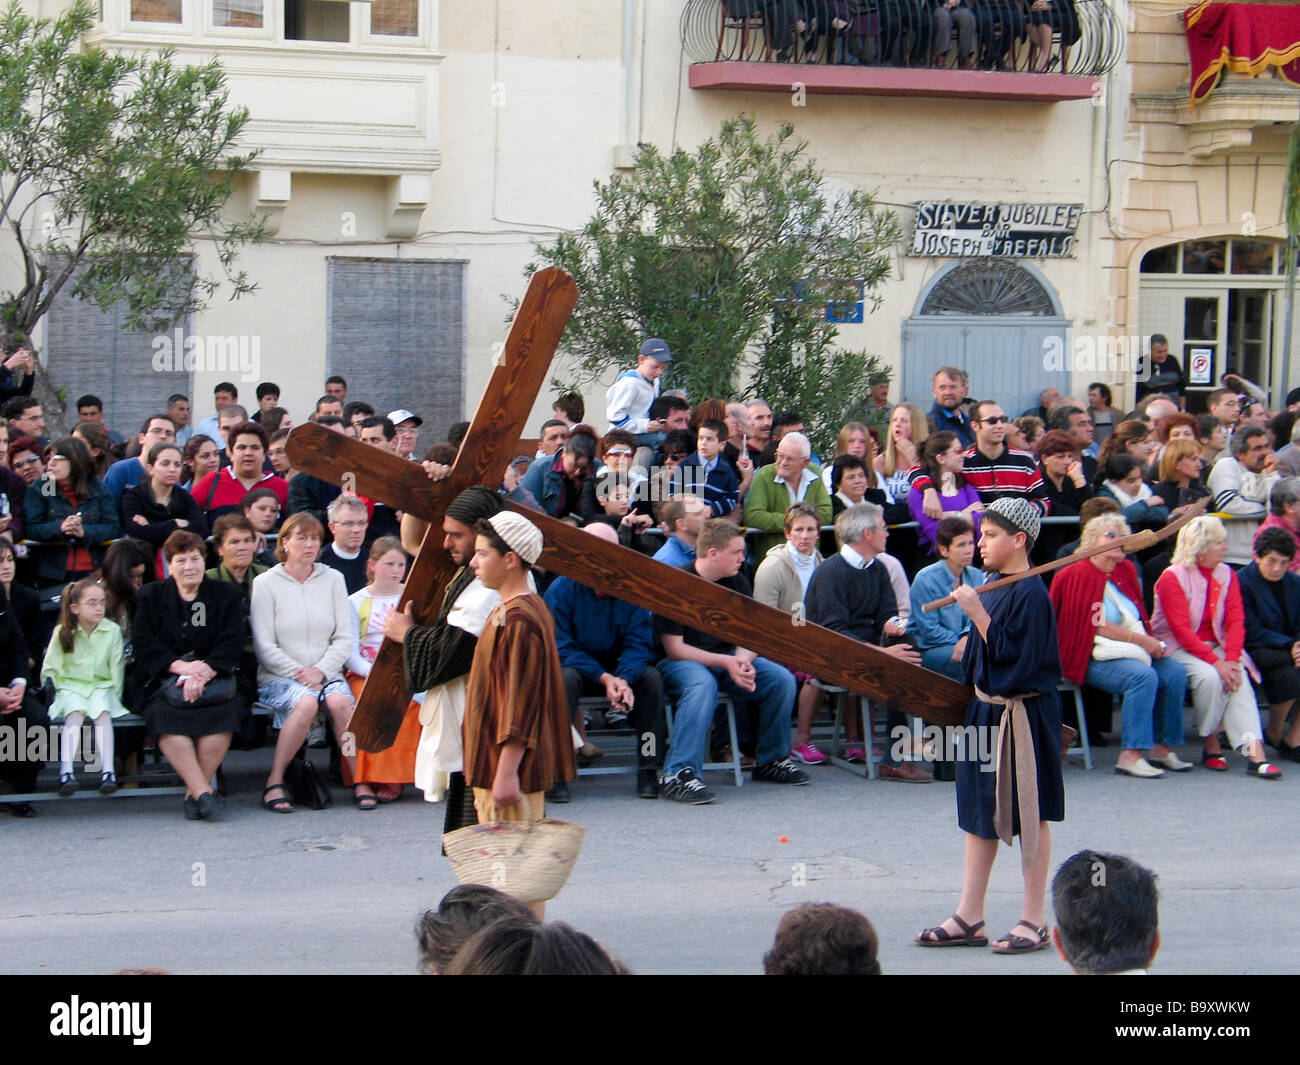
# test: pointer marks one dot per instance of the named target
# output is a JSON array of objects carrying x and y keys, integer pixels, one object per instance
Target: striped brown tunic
[{"x": 516, "y": 694}]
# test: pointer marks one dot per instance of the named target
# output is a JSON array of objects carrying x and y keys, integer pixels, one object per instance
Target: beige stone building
[{"x": 414, "y": 150}]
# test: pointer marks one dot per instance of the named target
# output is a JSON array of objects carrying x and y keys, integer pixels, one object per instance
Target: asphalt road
[{"x": 96, "y": 886}]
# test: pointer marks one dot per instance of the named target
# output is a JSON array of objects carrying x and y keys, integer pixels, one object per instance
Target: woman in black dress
[
  {"x": 189, "y": 634},
  {"x": 1013, "y": 662}
]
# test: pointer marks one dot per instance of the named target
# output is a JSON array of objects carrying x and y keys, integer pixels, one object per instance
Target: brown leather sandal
[
  {"x": 938, "y": 936},
  {"x": 1023, "y": 944}
]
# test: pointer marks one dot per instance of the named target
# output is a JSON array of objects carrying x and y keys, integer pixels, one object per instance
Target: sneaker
[
  {"x": 685, "y": 787},
  {"x": 855, "y": 754},
  {"x": 808, "y": 753},
  {"x": 615, "y": 718},
  {"x": 782, "y": 771}
]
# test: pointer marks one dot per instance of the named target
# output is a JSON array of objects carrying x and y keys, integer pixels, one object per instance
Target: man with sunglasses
[{"x": 992, "y": 468}]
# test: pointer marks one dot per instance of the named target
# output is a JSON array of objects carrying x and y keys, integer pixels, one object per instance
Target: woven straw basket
[{"x": 530, "y": 860}]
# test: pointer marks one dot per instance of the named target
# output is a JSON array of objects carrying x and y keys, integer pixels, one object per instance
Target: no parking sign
[{"x": 1199, "y": 366}]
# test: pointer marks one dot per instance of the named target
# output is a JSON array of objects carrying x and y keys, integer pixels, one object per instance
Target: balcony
[{"x": 887, "y": 48}]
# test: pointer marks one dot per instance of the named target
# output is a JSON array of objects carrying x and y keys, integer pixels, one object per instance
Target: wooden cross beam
[{"x": 619, "y": 571}]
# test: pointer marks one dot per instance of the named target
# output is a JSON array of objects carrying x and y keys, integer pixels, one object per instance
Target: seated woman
[
  {"x": 25, "y": 605},
  {"x": 388, "y": 770},
  {"x": 156, "y": 507},
  {"x": 201, "y": 457},
  {"x": 188, "y": 639},
  {"x": 128, "y": 566},
  {"x": 1113, "y": 650},
  {"x": 1284, "y": 514},
  {"x": 850, "y": 483},
  {"x": 302, "y": 632},
  {"x": 1025, "y": 433},
  {"x": 69, "y": 511},
  {"x": 1132, "y": 438},
  {"x": 1066, "y": 486},
  {"x": 1180, "y": 476},
  {"x": 941, "y": 634},
  {"x": 907, "y": 432},
  {"x": 943, "y": 458},
  {"x": 780, "y": 582},
  {"x": 1122, "y": 481},
  {"x": 26, "y": 459},
  {"x": 262, "y": 509},
  {"x": 1199, "y": 614},
  {"x": 1270, "y": 596}
]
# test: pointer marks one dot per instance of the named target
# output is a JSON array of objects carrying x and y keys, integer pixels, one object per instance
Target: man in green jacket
[{"x": 791, "y": 479}]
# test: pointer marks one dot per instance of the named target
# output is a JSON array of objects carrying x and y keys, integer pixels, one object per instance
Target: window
[
  {"x": 395, "y": 18},
  {"x": 91, "y": 351},
  {"x": 156, "y": 11},
  {"x": 397, "y": 332},
  {"x": 237, "y": 13},
  {"x": 316, "y": 20},
  {"x": 988, "y": 287}
]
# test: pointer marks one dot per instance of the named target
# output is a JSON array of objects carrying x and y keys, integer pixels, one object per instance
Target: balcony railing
[{"x": 1086, "y": 38}]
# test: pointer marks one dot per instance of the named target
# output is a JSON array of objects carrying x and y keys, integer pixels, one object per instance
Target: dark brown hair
[
  {"x": 822, "y": 939},
  {"x": 463, "y": 911}
]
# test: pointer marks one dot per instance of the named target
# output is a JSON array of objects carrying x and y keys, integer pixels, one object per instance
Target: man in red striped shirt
[{"x": 992, "y": 468}]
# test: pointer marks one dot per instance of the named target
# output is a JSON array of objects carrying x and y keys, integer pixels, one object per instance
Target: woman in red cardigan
[
  {"x": 1199, "y": 613},
  {"x": 1102, "y": 631}
]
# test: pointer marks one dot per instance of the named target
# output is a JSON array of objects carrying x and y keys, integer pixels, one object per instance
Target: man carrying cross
[{"x": 437, "y": 657}]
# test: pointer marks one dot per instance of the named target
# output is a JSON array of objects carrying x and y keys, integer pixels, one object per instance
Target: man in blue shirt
[
  {"x": 157, "y": 429},
  {"x": 949, "y": 388},
  {"x": 605, "y": 648},
  {"x": 682, "y": 518}
]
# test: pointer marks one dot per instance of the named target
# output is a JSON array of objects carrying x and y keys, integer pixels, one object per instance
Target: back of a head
[
  {"x": 513, "y": 946},
  {"x": 1107, "y": 911},
  {"x": 822, "y": 939},
  {"x": 463, "y": 911}
]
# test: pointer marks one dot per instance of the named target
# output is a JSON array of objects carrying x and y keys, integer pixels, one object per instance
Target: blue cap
[{"x": 657, "y": 349}]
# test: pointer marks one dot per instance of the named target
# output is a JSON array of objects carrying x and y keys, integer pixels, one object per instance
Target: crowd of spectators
[{"x": 292, "y": 577}]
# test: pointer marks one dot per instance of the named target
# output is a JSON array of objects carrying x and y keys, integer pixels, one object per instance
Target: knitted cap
[
  {"x": 521, "y": 535},
  {"x": 1019, "y": 512}
]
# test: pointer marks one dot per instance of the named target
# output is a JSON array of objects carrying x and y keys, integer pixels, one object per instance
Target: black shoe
[
  {"x": 685, "y": 787},
  {"x": 781, "y": 771},
  {"x": 647, "y": 783},
  {"x": 191, "y": 808},
  {"x": 107, "y": 783},
  {"x": 67, "y": 784},
  {"x": 207, "y": 805},
  {"x": 558, "y": 793},
  {"x": 22, "y": 809}
]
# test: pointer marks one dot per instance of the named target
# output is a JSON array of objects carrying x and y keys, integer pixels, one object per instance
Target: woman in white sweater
[{"x": 303, "y": 634}]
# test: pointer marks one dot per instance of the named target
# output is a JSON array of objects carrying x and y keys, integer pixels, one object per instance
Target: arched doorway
[
  {"x": 1219, "y": 302},
  {"x": 993, "y": 318}
]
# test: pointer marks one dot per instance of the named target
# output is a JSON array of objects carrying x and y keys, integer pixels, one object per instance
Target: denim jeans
[
  {"x": 940, "y": 660},
  {"x": 1152, "y": 711},
  {"x": 693, "y": 689}
]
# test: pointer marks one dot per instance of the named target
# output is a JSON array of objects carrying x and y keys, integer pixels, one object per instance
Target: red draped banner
[{"x": 1243, "y": 38}]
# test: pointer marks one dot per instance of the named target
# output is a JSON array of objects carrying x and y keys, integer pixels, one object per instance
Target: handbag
[
  {"x": 530, "y": 860},
  {"x": 305, "y": 783},
  {"x": 220, "y": 689},
  {"x": 1105, "y": 649}
]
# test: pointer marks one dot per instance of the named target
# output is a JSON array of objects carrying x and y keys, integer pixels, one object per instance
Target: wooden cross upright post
[{"x": 618, "y": 571}]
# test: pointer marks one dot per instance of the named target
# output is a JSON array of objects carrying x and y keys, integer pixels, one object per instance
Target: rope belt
[{"x": 1015, "y": 723}]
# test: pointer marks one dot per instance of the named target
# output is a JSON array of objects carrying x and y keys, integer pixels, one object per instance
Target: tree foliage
[
  {"x": 731, "y": 254},
  {"x": 111, "y": 166}
]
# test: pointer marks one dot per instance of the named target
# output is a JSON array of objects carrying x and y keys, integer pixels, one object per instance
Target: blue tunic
[{"x": 1021, "y": 656}]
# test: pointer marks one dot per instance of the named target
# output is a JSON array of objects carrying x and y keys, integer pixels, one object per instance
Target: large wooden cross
[{"x": 518, "y": 376}]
